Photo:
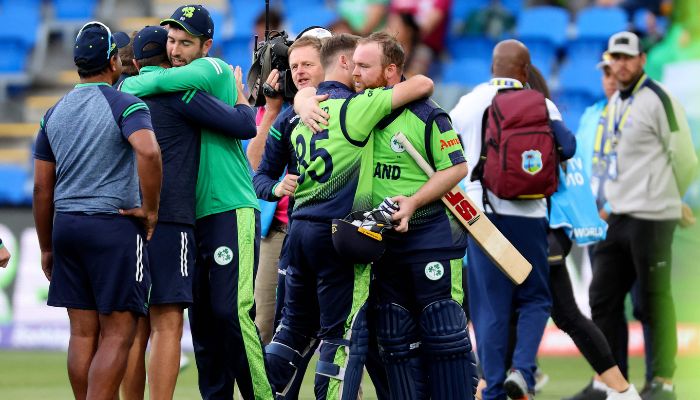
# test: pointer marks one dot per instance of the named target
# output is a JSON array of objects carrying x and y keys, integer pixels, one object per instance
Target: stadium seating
[
  {"x": 13, "y": 190},
  {"x": 238, "y": 51},
  {"x": 74, "y": 9},
  {"x": 461, "y": 10},
  {"x": 572, "y": 104},
  {"x": 470, "y": 47},
  {"x": 514, "y": 6},
  {"x": 639, "y": 21},
  {"x": 244, "y": 14},
  {"x": 594, "y": 26},
  {"x": 18, "y": 34},
  {"x": 547, "y": 24},
  {"x": 466, "y": 72},
  {"x": 576, "y": 76},
  {"x": 543, "y": 30},
  {"x": 599, "y": 23},
  {"x": 301, "y": 18}
]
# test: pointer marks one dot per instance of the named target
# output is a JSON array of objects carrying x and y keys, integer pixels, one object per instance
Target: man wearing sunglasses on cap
[{"x": 95, "y": 151}]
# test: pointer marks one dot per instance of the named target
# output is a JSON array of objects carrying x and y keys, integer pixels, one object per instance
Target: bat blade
[{"x": 496, "y": 246}]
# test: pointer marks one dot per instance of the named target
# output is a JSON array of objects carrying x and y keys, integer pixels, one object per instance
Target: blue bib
[{"x": 573, "y": 206}]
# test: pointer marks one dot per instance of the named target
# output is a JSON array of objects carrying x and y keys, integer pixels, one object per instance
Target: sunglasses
[{"x": 100, "y": 24}]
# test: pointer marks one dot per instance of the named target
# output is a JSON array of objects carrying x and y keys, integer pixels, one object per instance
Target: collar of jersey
[
  {"x": 326, "y": 86},
  {"x": 150, "y": 68},
  {"x": 506, "y": 83},
  {"x": 92, "y": 84}
]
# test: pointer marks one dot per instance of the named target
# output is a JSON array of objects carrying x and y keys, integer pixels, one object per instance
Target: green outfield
[
  {"x": 30, "y": 375},
  {"x": 42, "y": 375}
]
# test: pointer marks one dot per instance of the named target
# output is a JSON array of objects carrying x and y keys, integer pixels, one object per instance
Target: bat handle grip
[{"x": 403, "y": 140}]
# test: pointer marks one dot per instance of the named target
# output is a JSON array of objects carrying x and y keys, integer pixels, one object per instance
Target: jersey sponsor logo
[
  {"x": 462, "y": 206},
  {"x": 446, "y": 144},
  {"x": 396, "y": 146},
  {"x": 385, "y": 171},
  {"x": 223, "y": 255},
  {"x": 532, "y": 161},
  {"x": 434, "y": 270}
]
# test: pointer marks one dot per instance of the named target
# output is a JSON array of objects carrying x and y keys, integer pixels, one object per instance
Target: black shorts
[
  {"x": 100, "y": 262},
  {"x": 171, "y": 254}
]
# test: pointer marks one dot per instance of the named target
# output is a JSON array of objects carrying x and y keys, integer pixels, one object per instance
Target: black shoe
[
  {"x": 588, "y": 393},
  {"x": 658, "y": 392},
  {"x": 645, "y": 390}
]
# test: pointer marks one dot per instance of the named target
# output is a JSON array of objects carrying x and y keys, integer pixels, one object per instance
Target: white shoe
[
  {"x": 515, "y": 386},
  {"x": 541, "y": 379},
  {"x": 629, "y": 394}
]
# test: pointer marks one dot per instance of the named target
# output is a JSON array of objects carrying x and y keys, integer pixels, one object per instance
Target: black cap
[
  {"x": 94, "y": 46},
  {"x": 122, "y": 39},
  {"x": 150, "y": 34},
  {"x": 194, "y": 19}
]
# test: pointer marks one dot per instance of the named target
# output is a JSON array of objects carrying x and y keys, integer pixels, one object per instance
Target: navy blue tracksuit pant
[
  {"x": 493, "y": 297},
  {"x": 227, "y": 345}
]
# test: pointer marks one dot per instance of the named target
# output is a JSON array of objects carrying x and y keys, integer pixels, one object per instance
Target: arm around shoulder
[{"x": 414, "y": 88}]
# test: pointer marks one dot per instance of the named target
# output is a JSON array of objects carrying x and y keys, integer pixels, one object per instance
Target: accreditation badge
[{"x": 612, "y": 165}]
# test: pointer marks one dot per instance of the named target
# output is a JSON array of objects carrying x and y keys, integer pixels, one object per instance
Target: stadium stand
[
  {"x": 36, "y": 35},
  {"x": 593, "y": 28}
]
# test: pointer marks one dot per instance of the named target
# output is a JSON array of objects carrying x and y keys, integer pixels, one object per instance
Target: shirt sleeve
[
  {"x": 565, "y": 139},
  {"x": 42, "y": 147},
  {"x": 445, "y": 144},
  {"x": 134, "y": 118},
  {"x": 202, "y": 74},
  {"x": 274, "y": 159},
  {"x": 209, "y": 112},
  {"x": 682, "y": 151},
  {"x": 367, "y": 108}
]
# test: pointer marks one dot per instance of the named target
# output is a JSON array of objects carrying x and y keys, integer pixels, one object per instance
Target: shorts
[
  {"x": 100, "y": 262},
  {"x": 171, "y": 254}
]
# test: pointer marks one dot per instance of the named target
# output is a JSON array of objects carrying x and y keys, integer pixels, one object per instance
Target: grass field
[
  {"x": 29, "y": 375},
  {"x": 42, "y": 375}
]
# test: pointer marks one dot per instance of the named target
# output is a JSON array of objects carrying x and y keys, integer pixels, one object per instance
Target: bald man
[{"x": 492, "y": 296}]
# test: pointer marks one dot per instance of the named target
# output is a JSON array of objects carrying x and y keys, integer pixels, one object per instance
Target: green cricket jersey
[
  {"x": 395, "y": 172},
  {"x": 224, "y": 179},
  {"x": 433, "y": 233},
  {"x": 335, "y": 174}
]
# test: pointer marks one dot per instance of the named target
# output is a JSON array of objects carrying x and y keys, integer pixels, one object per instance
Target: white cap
[
  {"x": 315, "y": 31},
  {"x": 624, "y": 43},
  {"x": 605, "y": 61}
]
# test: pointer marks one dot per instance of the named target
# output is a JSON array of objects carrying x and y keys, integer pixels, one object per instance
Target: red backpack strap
[{"x": 478, "y": 171}]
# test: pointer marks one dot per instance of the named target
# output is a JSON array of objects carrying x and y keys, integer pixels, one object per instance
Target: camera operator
[{"x": 270, "y": 154}]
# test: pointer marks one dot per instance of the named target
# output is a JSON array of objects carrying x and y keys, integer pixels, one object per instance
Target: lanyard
[
  {"x": 506, "y": 82},
  {"x": 601, "y": 146},
  {"x": 617, "y": 117}
]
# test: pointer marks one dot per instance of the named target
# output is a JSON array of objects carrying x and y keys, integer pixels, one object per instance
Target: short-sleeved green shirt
[
  {"x": 335, "y": 165},
  {"x": 224, "y": 178},
  {"x": 395, "y": 172}
]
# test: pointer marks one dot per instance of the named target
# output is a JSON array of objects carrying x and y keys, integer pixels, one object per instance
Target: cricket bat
[{"x": 506, "y": 257}]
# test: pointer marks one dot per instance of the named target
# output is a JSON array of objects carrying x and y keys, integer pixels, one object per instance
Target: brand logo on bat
[{"x": 462, "y": 206}]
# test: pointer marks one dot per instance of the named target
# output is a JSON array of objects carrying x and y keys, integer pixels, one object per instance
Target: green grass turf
[
  {"x": 42, "y": 375},
  {"x": 30, "y": 375}
]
